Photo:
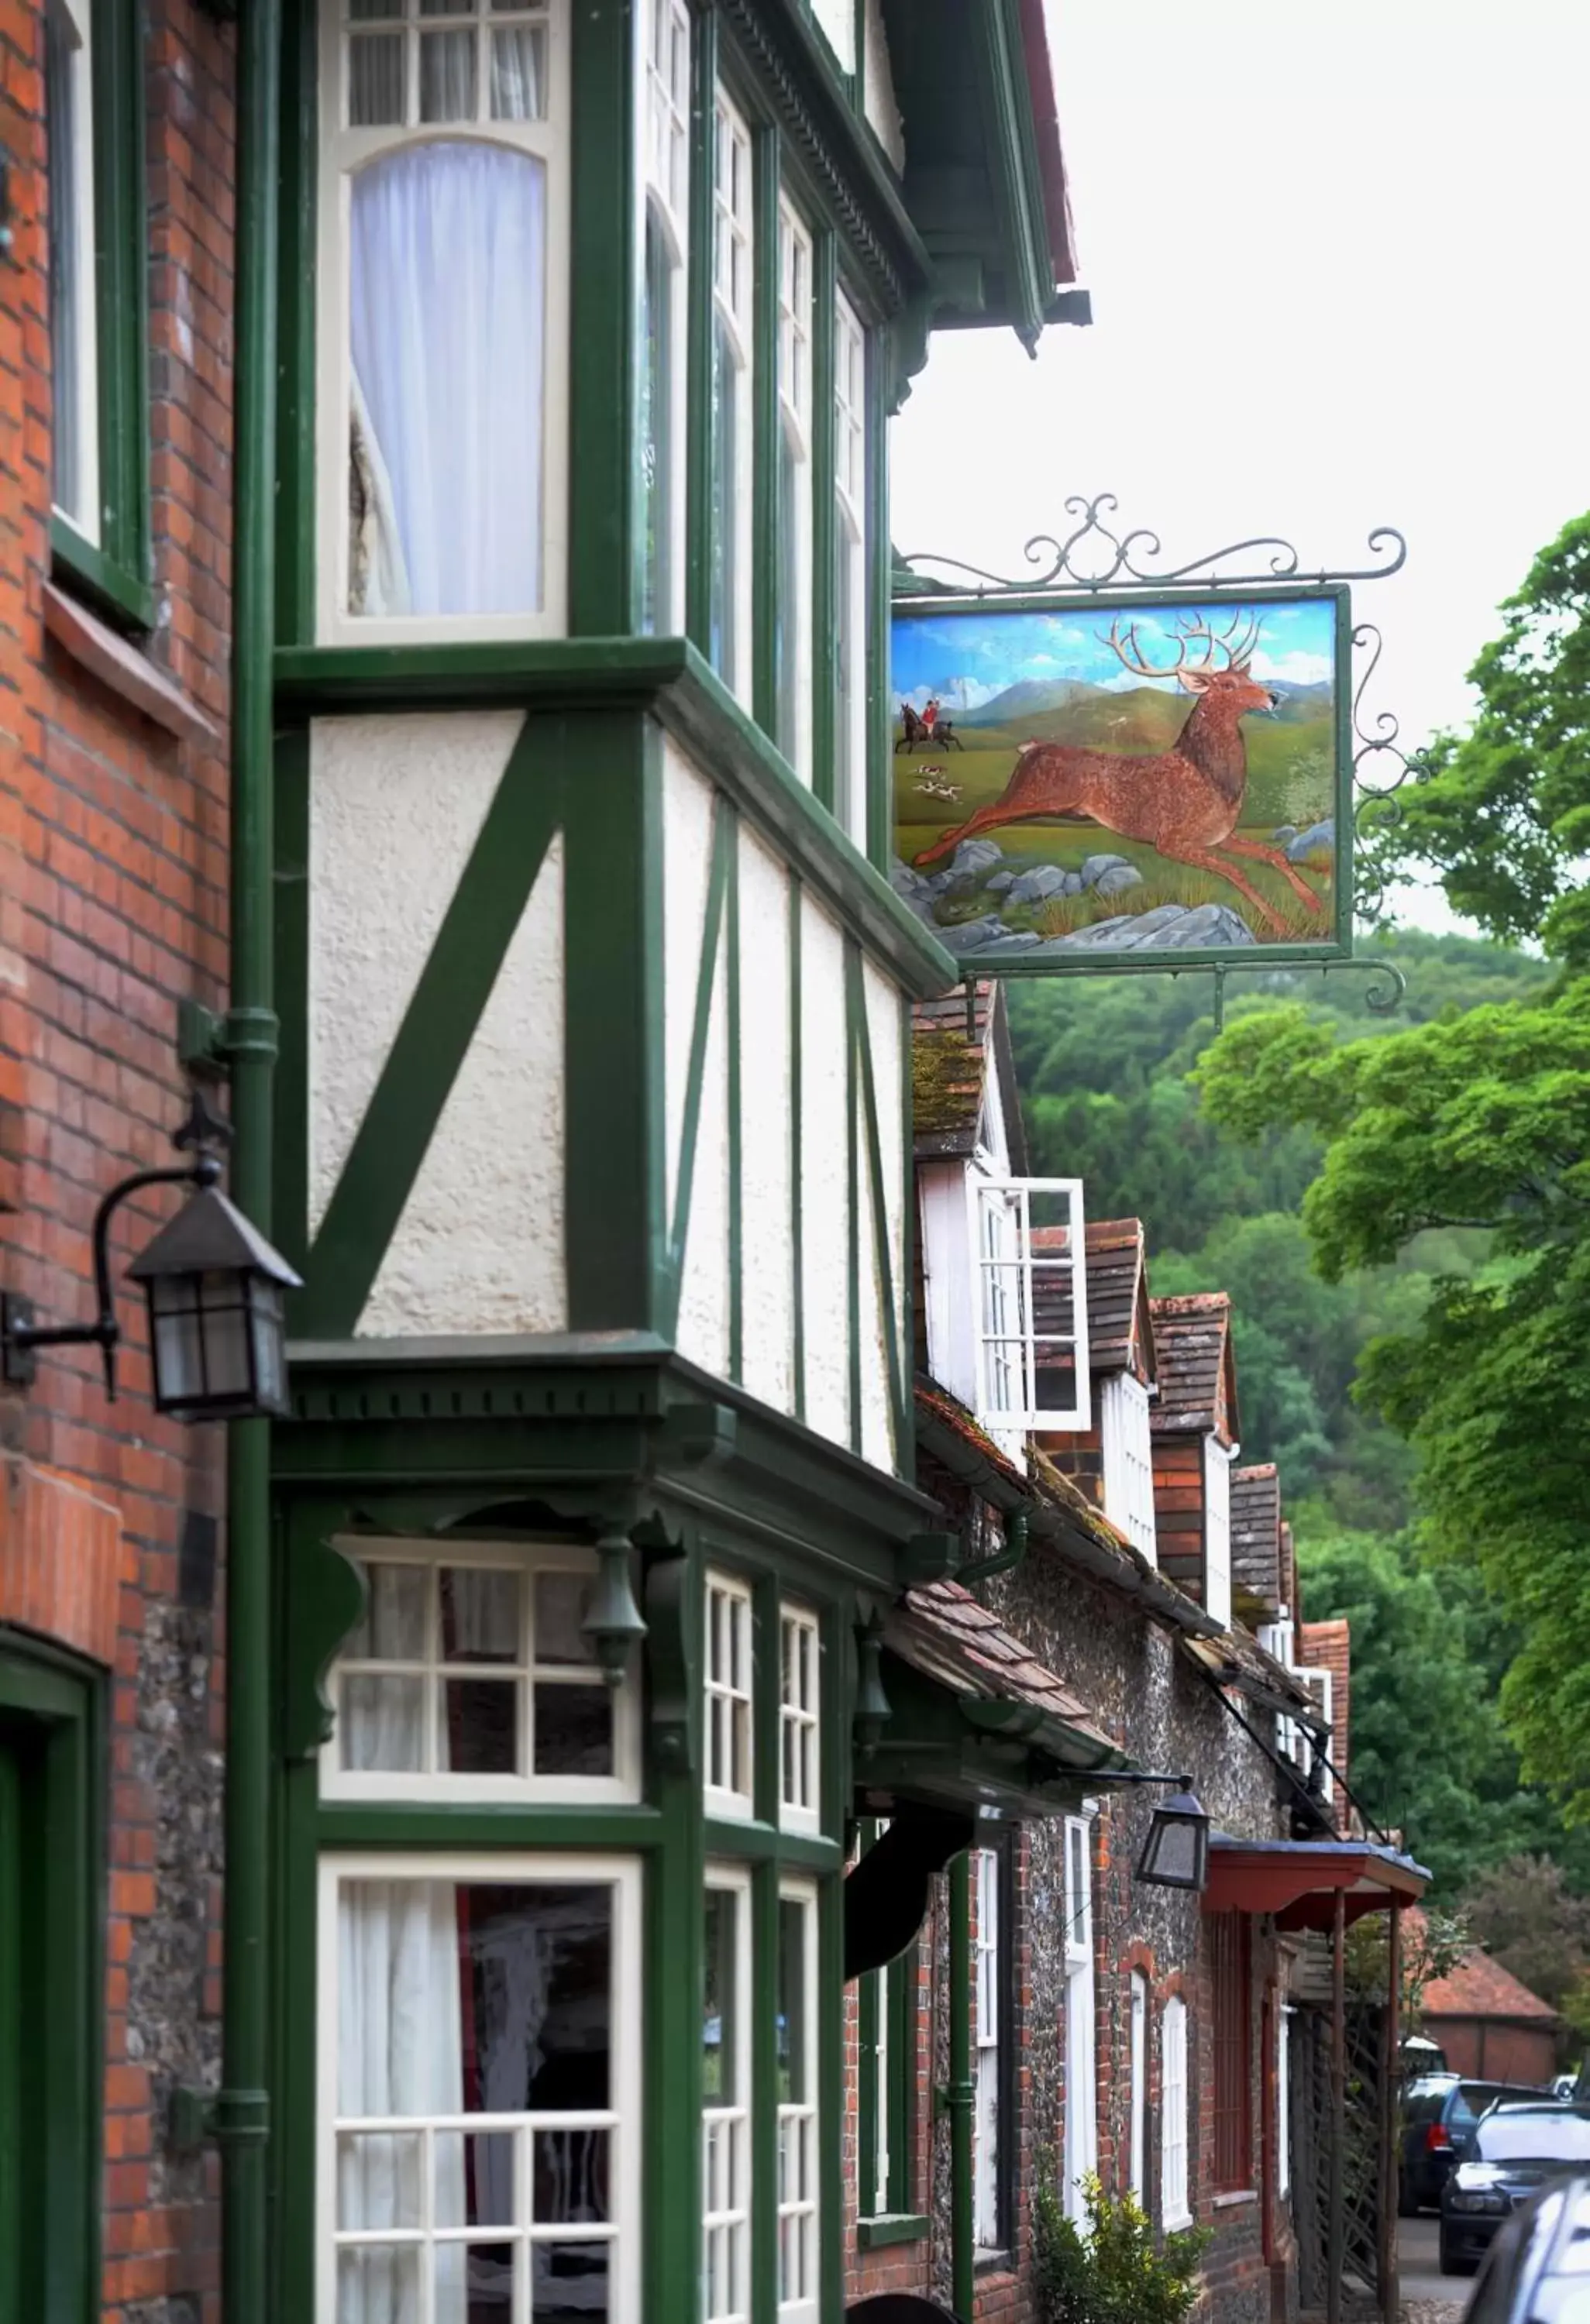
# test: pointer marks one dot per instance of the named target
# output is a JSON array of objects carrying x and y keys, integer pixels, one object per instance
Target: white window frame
[
  {"x": 1138, "y": 2121},
  {"x": 620, "y": 2120},
  {"x": 1217, "y": 1463},
  {"x": 799, "y": 1719},
  {"x": 734, "y": 251},
  {"x": 1126, "y": 1444},
  {"x": 800, "y": 2212},
  {"x": 344, "y": 152},
  {"x": 1277, "y": 1639},
  {"x": 730, "y": 1692},
  {"x": 850, "y": 547},
  {"x": 880, "y": 2072},
  {"x": 1174, "y": 2199},
  {"x": 726, "y": 2128},
  {"x": 78, "y": 16},
  {"x": 1005, "y": 1276},
  {"x": 1310, "y": 1748},
  {"x": 665, "y": 198},
  {"x": 528, "y": 1559},
  {"x": 1081, "y": 2124},
  {"x": 988, "y": 1959},
  {"x": 797, "y": 330},
  {"x": 1283, "y": 2112}
]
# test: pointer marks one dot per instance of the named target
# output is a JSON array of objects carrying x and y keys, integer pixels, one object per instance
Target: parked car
[
  {"x": 1565, "y": 2086},
  {"x": 1537, "y": 2269},
  {"x": 1439, "y": 2111},
  {"x": 1510, "y": 2154}
]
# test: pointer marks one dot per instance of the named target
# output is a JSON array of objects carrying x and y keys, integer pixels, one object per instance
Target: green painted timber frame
[
  {"x": 53, "y": 1976},
  {"x": 910, "y": 605}
]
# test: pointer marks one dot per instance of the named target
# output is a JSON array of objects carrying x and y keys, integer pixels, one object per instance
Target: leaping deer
[{"x": 1185, "y": 801}]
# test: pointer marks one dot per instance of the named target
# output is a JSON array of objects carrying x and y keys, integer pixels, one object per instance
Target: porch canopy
[{"x": 1300, "y": 1880}]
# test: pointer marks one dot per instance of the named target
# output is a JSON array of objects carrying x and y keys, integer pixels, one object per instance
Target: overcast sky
[{"x": 1338, "y": 265}]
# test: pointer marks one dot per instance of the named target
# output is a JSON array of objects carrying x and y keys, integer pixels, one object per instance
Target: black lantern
[
  {"x": 217, "y": 1332},
  {"x": 1176, "y": 1854}
]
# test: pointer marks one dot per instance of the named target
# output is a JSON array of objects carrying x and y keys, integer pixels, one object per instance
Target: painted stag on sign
[{"x": 1186, "y": 801}]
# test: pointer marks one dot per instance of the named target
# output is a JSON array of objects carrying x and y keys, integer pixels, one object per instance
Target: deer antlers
[{"x": 1191, "y": 630}]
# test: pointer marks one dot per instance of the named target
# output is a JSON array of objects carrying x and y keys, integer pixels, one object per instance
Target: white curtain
[
  {"x": 448, "y": 294},
  {"x": 400, "y": 2051}
]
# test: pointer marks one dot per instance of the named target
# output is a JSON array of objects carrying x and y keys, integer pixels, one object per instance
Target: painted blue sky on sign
[{"x": 967, "y": 659}]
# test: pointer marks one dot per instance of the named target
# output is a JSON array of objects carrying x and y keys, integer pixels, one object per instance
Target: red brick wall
[
  {"x": 1491, "y": 2049},
  {"x": 113, "y": 873},
  {"x": 1179, "y": 1510}
]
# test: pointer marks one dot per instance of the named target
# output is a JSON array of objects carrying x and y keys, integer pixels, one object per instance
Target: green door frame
[{"x": 51, "y": 1981}]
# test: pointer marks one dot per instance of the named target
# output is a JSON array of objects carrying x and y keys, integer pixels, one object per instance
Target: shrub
[{"x": 1111, "y": 2272}]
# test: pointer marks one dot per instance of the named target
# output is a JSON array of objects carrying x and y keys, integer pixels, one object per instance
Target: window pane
[
  {"x": 65, "y": 127},
  {"x": 723, "y": 643},
  {"x": 375, "y": 79},
  {"x": 380, "y": 2179},
  {"x": 561, "y": 1602},
  {"x": 792, "y": 2002},
  {"x": 519, "y": 73},
  {"x": 447, "y": 294},
  {"x": 447, "y": 76},
  {"x": 377, "y": 2280},
  {"x": 570, "y": 2283},
  {"x": 571, "y": 2178},
  {"x": 392, "y": 1628},
  {"x": 655, "y": 428},
  {"x": 480, "y": 1726},
  {"x": 573, "y": 1730},
  {"x": 475, "y": 2179},
  {"x": 718, "y": 2030},
  {"x": 382, "y": 1723},
  {"x": 481, "y": 1619}
]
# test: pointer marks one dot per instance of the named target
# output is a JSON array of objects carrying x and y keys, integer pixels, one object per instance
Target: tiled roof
[
  {"x": 1255, "y": 1533},
  {"x": 940, "y": 1629},
  {"x": 1480, "y": 1986},
  {"x": 1197, "y": 1380},
  {"x": 1117, "y": 1298},
  {"x": 951, "y": 1048},
  {"x": 1328, "y": 1645}
]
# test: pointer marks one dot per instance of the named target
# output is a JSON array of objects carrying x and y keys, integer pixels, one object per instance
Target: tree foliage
[{"x": 1526, "y": 1917}]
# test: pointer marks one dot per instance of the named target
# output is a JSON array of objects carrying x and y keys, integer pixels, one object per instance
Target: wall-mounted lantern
[
  {"x": 1176, "y": 1853},
  {"x": 214, "y": 1285}
]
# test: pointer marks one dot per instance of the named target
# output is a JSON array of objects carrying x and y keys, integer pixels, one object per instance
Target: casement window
[
  {"x": 793, "y": 598},
  {"x": 725, "y": 2093},
  {"x": 1081, "y": 2153},
  {"x": 1276, "y": 1639},
  {"x": 1218, "y": 1460},
  {"x": 729, "y": 595},
  {"x": 1137, "y": 2126},
  {"x": 1230, "y": 1999},
  {"x": 729, "y": 1661},
  {"x": 991, "y": 2159},
  {"x": 665, "y": 227},
  {"x": 469, "y": 1677},
  {"x": 796, "y": 2054},
  {"x": 1311, "y": 1749},
  {"x": 850, "y": 572},
  {"x": 800, "y": 1720},
  {"x": 442, "y": 306},
  {"x": 97, "y": 255},
  {"x": 480, "y": 2088},
  {"x": 1174, "y": 2210},
  {"x": 1031, "y": 1309},
  {"x": 1128, "y": 1461}
]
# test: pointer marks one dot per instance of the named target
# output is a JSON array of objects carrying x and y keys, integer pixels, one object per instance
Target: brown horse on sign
[{"x": 1186, "y": 801}]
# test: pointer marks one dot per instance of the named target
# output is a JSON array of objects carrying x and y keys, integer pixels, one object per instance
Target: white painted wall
[
  {"x": 825, "y": 1176},
  {"x": 878, "y": 88},
  {"x": 766, "y": 1148},
  {"x": 884, "y": 1040},
  {"x": 948, "y": 1282}
]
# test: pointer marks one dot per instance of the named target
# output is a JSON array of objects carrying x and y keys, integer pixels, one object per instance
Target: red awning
[{"x": 1300, "y": 1880}]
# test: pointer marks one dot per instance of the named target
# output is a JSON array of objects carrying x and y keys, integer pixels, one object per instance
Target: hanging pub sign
[{"x": 1107, "y": 777}]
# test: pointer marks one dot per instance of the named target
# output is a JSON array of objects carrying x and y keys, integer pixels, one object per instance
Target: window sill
[
  {"x": 1177, "y": 2224},
  {"x": 1230, "y": 2201},
  {"x": 889, "y": 2227},
  {"x": 121, "y": 668},
  {"x": 114, "y": 592}
]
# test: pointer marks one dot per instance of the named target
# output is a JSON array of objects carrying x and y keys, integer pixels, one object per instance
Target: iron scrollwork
[{"x": 1113, "y": 560}]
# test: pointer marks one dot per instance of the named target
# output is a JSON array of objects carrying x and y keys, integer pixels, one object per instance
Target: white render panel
[
  {"x": 947, "y": 1272},
  {"x": 825, "y": 1176},
  {"x": 687, "y": 869},
  {"x": 883, "y": 1004},
  {"x": 877, "y": 1430},
  {"x": 766, "y": 1246},
  {"x": 479, "y": 1246},
  {"x": 702, "y": 1329},
  {"x": 885, "y": 1033},
  {"x": 395, "y": 806},
  {"x": 878, "y": 85}
]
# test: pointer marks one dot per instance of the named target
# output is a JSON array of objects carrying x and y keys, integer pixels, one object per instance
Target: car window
[
  {"x": 1470, "y": 2099},
  {"x": 1424, "y": 2105},
  {"x": 1545, "y": 2137}
]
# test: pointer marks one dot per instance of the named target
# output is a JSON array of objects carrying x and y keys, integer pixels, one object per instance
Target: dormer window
[
  {"x": 442, "y": 428},
  {"x": 1127, "y": 1447},
  {"x": 1030, "y": 1303}
]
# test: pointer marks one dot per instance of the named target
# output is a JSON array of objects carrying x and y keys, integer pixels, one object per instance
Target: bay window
[
  {"x": 442, "y": 304},
  {"x": 725, "y": 2093},
  {"x": 479, "y": 2073},
  {"x": 850, "y": 573},
  {"x": 792, "y": 607},
  {"x": 729, "y": 594},
  {"x": 799, "y": 1647},
  {"x": 729, "y": 1660},
  {"x": 797, "y": 2102},
  {"x": 664, "y": 255}
]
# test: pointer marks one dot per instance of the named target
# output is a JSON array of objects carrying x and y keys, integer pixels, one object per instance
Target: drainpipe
[
  {"x": 958, "y": 2097},
  {"x": 1001, "y": 1561},
  {"x": 242, "y": 2110}
]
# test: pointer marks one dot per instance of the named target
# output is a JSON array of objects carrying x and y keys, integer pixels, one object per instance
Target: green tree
[{"x": 1524, "y": 1915}]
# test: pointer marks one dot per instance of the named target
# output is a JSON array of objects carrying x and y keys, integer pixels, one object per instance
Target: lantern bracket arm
[{"x": 20, "y": 1335}]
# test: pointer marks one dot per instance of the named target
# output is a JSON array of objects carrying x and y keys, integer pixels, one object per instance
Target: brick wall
[{"x": 113, "y": 874}]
